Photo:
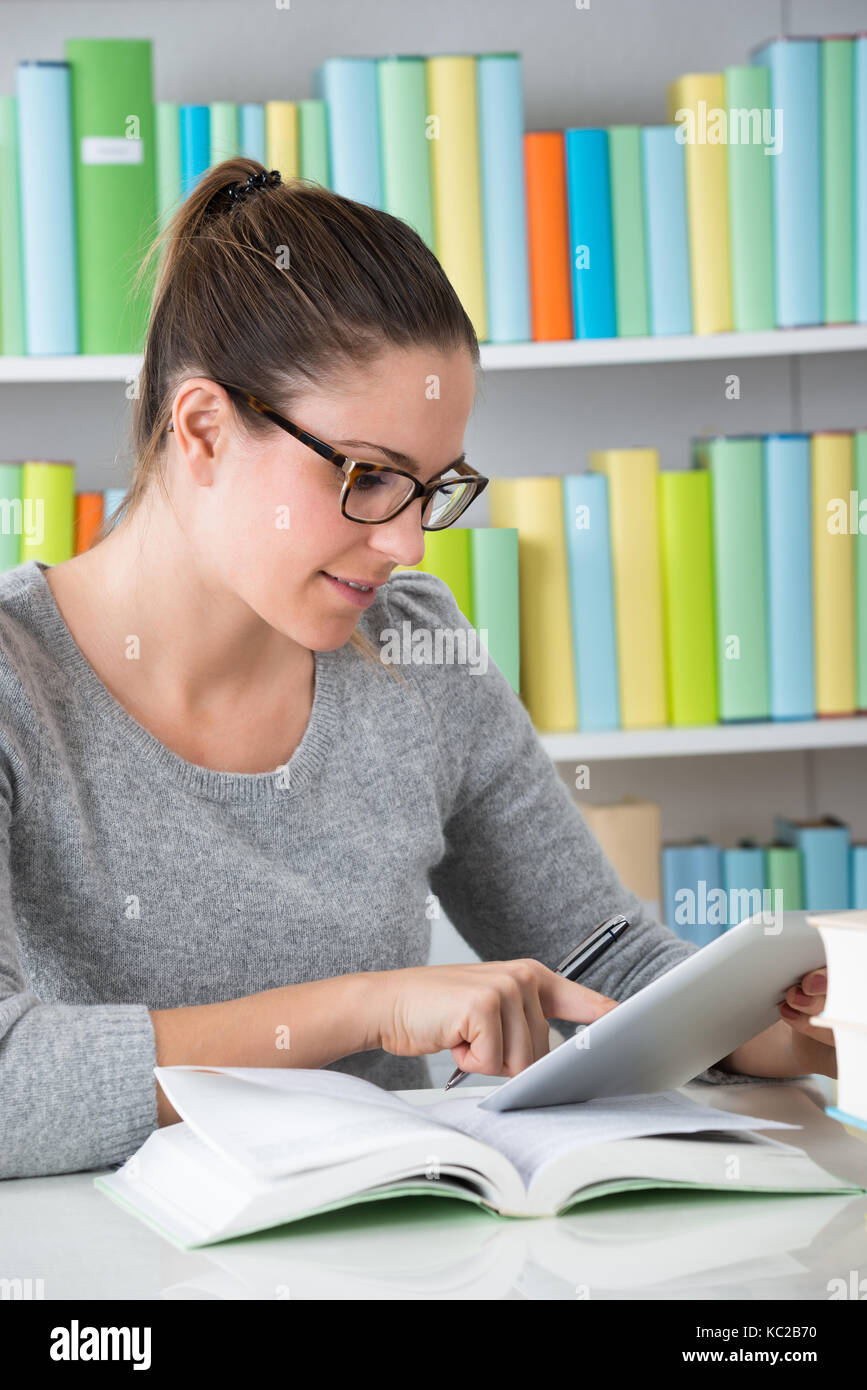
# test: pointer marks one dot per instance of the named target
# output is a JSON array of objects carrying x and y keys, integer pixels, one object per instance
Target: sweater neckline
[{"x": 220, "y": 786}]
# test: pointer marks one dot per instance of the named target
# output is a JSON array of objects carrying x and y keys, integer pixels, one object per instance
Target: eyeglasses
[{"x": 377, "y": 492}]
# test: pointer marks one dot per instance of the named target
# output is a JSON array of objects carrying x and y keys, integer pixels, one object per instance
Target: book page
[{"x": 533, "y": 1138}]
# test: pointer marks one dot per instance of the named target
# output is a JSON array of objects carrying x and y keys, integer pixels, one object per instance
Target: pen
[{"x": 578, "y": 960}]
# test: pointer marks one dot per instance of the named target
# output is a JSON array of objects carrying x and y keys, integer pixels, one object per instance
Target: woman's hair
[{"x": 276, "y": 291}]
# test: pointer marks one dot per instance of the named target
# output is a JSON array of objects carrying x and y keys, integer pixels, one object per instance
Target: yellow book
[
  {"x": 535, "y": 507},
  {"x": 832, "y": 468},
  {"x": 700, "y": 100},
  {"x": 281, "y": 138},
  {"x": 455, "y": 175},
  {"x": 636, "y": 560},
  {"x": 48, "y": 503}
]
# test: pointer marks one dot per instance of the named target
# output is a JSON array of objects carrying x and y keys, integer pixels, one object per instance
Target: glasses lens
[
  {"x": 447, "y": 503},
  {"x": 374, "y": 496}
]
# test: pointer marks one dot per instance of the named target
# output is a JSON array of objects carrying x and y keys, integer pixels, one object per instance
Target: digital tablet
[{"x": 681, "y": 1023}]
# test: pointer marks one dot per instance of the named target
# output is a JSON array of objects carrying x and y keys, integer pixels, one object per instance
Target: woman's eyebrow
[{"x": 394, "y": 455}]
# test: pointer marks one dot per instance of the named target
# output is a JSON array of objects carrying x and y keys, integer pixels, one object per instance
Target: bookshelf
[{"x": 707, "y": 740}]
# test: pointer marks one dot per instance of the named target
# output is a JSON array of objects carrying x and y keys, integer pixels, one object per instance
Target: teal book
[
  {"x": 693, "y": 892},
  {"x": 744, "y": 882},
  {"x": 825, "y": 850},
  {"x": 495, "y": 601},
  {"x": 751, "y": 212},
  {"x": 627, "y": 220},
  {"x": 838, "y": 178}
]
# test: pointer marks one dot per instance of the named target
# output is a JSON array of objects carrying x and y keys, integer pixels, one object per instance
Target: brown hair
[{"x": 227, "y": 306}]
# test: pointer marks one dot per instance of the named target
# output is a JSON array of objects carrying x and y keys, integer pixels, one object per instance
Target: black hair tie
[{"x": 239, "y": 191}]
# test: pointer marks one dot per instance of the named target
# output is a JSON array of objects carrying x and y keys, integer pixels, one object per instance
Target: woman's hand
[
  {"x": 492, "y": 1016},
  {"x": 812, "y": 1047}
]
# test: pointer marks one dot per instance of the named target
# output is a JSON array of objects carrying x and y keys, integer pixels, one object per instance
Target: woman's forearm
[
  {"x": 772, "y": 1053},
  {"x": 305, "y": 1025}
]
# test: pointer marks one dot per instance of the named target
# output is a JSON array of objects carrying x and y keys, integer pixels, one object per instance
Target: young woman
[{"x": 225, "y": 821}]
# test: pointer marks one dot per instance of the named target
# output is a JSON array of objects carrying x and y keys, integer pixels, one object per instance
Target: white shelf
[
  {"x": 771, "y": 737},
  {"x": 573, "y": 352}
]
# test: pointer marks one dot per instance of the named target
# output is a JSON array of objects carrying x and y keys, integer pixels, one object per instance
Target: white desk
[{"x": 663, "y": 1244}]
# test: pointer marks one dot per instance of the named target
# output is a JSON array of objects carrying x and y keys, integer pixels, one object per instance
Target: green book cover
[
  {"x": 225, "y": 131},
  {"x": 168, "y": 160},
  {"x": 736, "y": 468},
  {"x": 627, "y": 221},
  {"x": 860, "y": 482},
  {"x": 783, "y": 872},
  {"x": 115, "y": 188},
  {"x": 313, "y": 153},
  {"x": 495, "y": 601},
  {"x": 403, "y": 143},
  {"x": 10, "y": 515},
  {"x": 838, "y": 178},
  {"x": 447, "y": 555},
  {"x": 687, "y": 595},
  {"x": 12, "y": 339},
  {"x": 751, "y": 220}
]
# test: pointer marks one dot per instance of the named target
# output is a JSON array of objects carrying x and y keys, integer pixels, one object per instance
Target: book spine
[
  {"x": 348, "y": 87},
  {"x": 504, "y": 215},
  {"x": 665, "y": 220},
  {"x": 861, "y": 175},
  {"x": 783, "y": 875},
  {"x": 404, "y": 143},
  {"x": 825, "y": 852},
  {"x": 633, "y": 503},
  {"x": 494, "y": 565},
  {"x": 591, "y": 243},
  {"x": 281, "y": 138},
  {"x": 12, "y": 325},
  {"x": 48, "y": 231},
  {"x": 224, "y": 131},
  {"x": 796, "y": 179},
  {"x": 48, "y": 496},
  {"x": 692, "y": 892},
  {"x": 456, "y": 178},
  {"x": 11, "y": 513},
  {"x": 687, "y": 586},
  {"x": 313, "y": 147},
  {"x": 251, "y": 126},
  {"x": 837, "y": 87},
  {"x": 860, "y": 466},
  {"x": 548, "y": 236},
  {"x": 591, "y": 599},
  {"x": 833, "y": 573},
  {"x": 447, "y": 555},
  {"x": 737, "y": 501},
  {"x": 195, "y": 145},
  {"x": 858, "y": 877},
  {"x": 168, "y": 160},
  {"x": 693, "y": 100},
  {"x": 627, "y": 220},
  {"x": 789, "y": 577},
  {"x": 88, "y": 519},
  {"x": 750, "y": 199},
  {"x": 743, "y": 871},
  {"x": 115, "y": 188}
]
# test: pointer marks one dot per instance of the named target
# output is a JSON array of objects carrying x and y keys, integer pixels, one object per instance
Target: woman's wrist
[{"x": 778, "y": 1051}]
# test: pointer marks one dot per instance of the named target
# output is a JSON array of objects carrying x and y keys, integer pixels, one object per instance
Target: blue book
[
  {"x": 859, "y": 1121},
  {"x": 693, "y": 895},
  {"x": 195, "y": 145},
  {"x": 825, "y": 851},
  {"x": 591, "y": 237},
  {"x": 349, "y": 88},
  {"x": 858, "y": 877},
  {"x": 111, "y": 500},
  {"x": 666, "y": 234},
  {"x": 861, "y": 178},
  {"x": 744, "y": 881},
  {"x": 504, "y": 214},
  {"x": 789, "y": 550},
  {"x": 48, "y": 241},
  {"x": 591, "y": 599},
  {"x": 251, "y": 118},
  {"x": 797, "y": 179}
]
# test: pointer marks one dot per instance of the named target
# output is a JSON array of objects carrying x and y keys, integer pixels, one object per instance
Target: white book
[
  {"x": 844, "y": 936},
  {"x": 261, "y": 1146}
]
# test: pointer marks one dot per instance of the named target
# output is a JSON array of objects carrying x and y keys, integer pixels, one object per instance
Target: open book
[{"x": 260, "y": 1146}]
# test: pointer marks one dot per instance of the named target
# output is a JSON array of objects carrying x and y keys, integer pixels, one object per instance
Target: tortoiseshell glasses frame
[{"x": 353, "y": 471}]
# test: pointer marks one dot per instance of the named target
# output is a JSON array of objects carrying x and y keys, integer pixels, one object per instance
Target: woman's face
[{"x": 272, "y": 506}]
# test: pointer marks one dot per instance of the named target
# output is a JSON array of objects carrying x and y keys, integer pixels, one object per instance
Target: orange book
[
  {"x": 548, "y": 235},
  {"x": 88, "y": 518}
]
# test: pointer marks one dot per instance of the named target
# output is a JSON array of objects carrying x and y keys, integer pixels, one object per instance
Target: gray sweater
[{"x": 131, "y": 879}]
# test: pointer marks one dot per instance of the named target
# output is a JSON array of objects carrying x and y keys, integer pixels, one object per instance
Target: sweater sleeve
[
  {"x": 77, "y": 1088},
  {"x": 522, "y": 874}
]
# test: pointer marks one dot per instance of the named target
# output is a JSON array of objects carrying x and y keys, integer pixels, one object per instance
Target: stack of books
[{"x": 844, "y": 936}]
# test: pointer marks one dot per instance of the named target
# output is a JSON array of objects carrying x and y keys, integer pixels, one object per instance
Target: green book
[
  {"x": 494, "y": 566},
  {"x": 447, "y": 555},
  {"x": 860, "y": 485},
  {"x": 783, "y": 872},
  {"x": 838, "y": 178},
  {"x": 751, "y": 221},
  {"x": 687, "y": 596},
  {"x": 168, "y": 160},
  {"x": 627, "y": 221},
  {"x": 12, "y": 338},
  {"x": 403, "y": 143},
  {"x": 313, "y": 153},
  {"x": 736, "y": 467},
  {"x": 225, "y": 131},
  {"x": 115, "y": 188},
  {"x": 10, "y": 515}
]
